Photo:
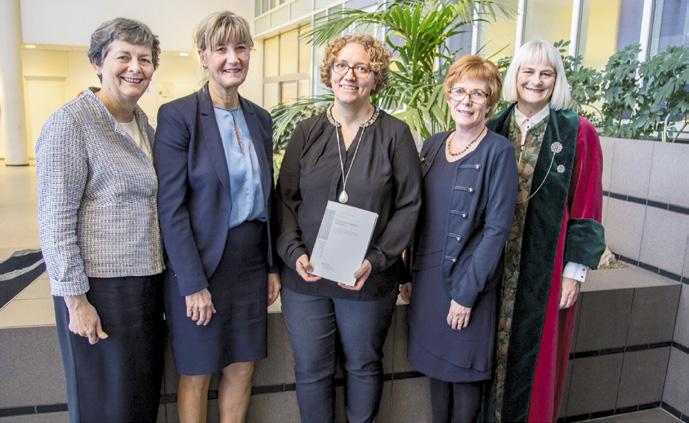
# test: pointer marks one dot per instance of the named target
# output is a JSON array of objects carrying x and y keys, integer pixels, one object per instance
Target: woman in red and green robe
[{"x": 556, "y": 235}]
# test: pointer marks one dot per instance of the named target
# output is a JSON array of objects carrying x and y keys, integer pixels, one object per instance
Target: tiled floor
[
  {"x": 33, "y": 306},
  {"x": 18, "y": 231},
  {"x": 655, "y": 415}
]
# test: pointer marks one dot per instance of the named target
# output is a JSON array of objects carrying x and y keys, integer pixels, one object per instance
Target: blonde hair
[
  {"x": 220, "y": 28},
  {"x": 543, "y": 53},
  {"x": 378, "y": 54},
  {"x": 475, "y": 67}
]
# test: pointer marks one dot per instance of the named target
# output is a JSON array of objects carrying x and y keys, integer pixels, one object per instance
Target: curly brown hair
[
  {"x": 378, "y": 54},
  {"x": 476, "y": 67}
]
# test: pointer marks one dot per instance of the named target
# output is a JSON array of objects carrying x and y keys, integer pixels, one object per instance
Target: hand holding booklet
[{"x": 342, "y": 242}]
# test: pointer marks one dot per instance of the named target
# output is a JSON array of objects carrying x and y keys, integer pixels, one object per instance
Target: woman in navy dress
[
  {"x": 213, "y": 156},
  {"x": 470, "y": 186}
]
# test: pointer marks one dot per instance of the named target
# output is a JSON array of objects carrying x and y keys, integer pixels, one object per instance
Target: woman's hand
[
  {"x": 304, "y": 269},
  {"x": 200, "y": 307},
  {"x": 458, "y": 317},
  {"x": 405, "y": 292},
  {"x": 569, "y": 293},
  {"x": 361, "y": 274},
  {"x": 83, "y": 318},
  {"x": 274, "y": 286}
]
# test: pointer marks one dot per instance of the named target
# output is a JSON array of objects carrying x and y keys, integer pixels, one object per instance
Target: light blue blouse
[{"x": 242, "y": 163}]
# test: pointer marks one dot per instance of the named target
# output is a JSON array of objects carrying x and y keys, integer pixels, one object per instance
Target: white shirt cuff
[{"x": 575, "y": 271}]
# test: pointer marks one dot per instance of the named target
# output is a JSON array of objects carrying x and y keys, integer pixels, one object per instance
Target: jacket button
[
  {"x": 459, "y": 238},
  {"x": 464, "y": 215},
  {"x": 471, "y": 189},
  {"x": 454, "y": 260},
  {"x": 478, "y": 166}
]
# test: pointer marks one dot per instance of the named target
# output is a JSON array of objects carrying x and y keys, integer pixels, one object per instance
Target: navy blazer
[
  {"x": 482, "y": 198},
  {"x": 194, "y": 185}
]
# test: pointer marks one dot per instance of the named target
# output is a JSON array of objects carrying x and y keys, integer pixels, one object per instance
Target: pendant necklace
[{"x": 343, "y": 197}]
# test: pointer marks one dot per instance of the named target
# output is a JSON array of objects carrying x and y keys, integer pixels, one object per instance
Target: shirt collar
[{"x": 533, "y": 120}]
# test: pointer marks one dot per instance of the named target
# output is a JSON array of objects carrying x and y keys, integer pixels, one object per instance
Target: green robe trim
[{"x": 539, "y": 244}]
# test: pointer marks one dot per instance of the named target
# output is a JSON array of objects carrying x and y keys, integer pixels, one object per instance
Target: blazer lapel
[
  {"x": 209, "y": 137},
  {"x": 257, "y": 138}
]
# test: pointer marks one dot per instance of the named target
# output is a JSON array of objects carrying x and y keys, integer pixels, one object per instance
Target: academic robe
[{"x": 562, "y": 224}]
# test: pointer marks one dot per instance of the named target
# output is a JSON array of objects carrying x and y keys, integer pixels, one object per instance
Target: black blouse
[{"x": 385, "y": 178}]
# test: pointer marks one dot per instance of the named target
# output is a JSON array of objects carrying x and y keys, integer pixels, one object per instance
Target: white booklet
[{"x": 342, "y": 242}]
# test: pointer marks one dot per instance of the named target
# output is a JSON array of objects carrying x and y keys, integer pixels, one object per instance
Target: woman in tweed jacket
[{"x": 100, "y": 235}]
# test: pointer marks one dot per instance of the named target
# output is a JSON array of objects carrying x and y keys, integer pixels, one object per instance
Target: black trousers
[
  {"x": 454, "y": 402},
  {"x": 119, "y": 378}
]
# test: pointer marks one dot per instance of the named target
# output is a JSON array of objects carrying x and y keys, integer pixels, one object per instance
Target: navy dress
[{"x": 435, "y": 349}]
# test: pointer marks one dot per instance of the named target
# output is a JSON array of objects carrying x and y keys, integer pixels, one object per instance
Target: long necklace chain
[
  {"x": 468, "y": 146},
  {"x": 343, "y": 197}
]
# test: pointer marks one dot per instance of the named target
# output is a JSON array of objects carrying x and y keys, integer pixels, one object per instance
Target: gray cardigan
[{"x": 96, "y": 198}]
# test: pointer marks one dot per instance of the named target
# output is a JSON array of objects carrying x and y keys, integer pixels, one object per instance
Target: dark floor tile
[
  {"x": 410, "y": 401},
  {"x": 603, "y": 319},
  {"x": 643, "y": 377},
  {"x": 656, "y": 415},
  {"x": 61, "y": 417},
  {"x": 594, "y": 384},
  {"x": 653, "y": 314},
  {"x": 278, "y": 367},
  {"x": 676, "y": 391},
  {"x": 31, "y": 371},
  {"x": 271, "y": 408}
]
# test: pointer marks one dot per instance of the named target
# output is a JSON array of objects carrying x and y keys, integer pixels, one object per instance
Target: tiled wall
[{"x": 646, "y": 219}]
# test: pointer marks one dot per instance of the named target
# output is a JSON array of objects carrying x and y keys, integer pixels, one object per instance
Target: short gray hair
[
  {"x": 220, "y": 28},
  {"x": 541, "y": 52},
  {"x": 122, "y": 29}
]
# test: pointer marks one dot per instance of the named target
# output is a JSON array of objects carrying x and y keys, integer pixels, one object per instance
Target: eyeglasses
[
  {"x": 475, "y": 96},
  {"x": 360, "y": 70}
]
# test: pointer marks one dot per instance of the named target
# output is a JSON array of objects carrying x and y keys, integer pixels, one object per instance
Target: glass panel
[
  {"x": 263, "y": 23},
  {"x": 496, "y": 39},
  {"x": 300, "y": 8},
  {"x": 289, "y": 50},
  {"x": 288, "y": 92},
  {"x": 304, "y": 51},
  {"x": 606, "y": 26},
  {"x": 271, "y": 95},
  {"x": 271, "y": 53},
  {"x": 549, "y": 20},
  {"x": 304, "y": 88},
  {"x": 461, "y": 43},
  {"x": 670, "y": 25},
  {"x": 265, "y": 6},
  {"x": 257, "y": 7},
  {"x": 279, "y": 17}
]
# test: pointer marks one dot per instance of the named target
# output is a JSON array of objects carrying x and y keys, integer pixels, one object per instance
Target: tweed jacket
[{"x": 96, "y": 198}]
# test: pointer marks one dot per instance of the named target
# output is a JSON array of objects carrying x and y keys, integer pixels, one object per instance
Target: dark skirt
[
  {"x": 239, "y": 290},
  {"x": 119, "y": 378},
  {"x": 438, "y": 351}
]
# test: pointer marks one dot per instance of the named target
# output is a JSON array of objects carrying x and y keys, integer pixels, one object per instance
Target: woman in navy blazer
[
  {"x": 213, "y": 156},
  {"x": 470, "y": 189}
]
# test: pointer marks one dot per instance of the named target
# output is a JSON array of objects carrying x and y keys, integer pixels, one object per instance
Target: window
[
  {"x": 286, "y": 64},
  {"x": 608, "y": 26},
  {"x": 496, "y": 39},
  {"x": 549, "y": 20},
  {"x": 670, "y": 25}
]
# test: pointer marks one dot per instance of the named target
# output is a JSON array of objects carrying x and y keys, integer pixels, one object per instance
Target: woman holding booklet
[
  {"x": 470, "y": 189},
  {"x": 357, "y": 155}
]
